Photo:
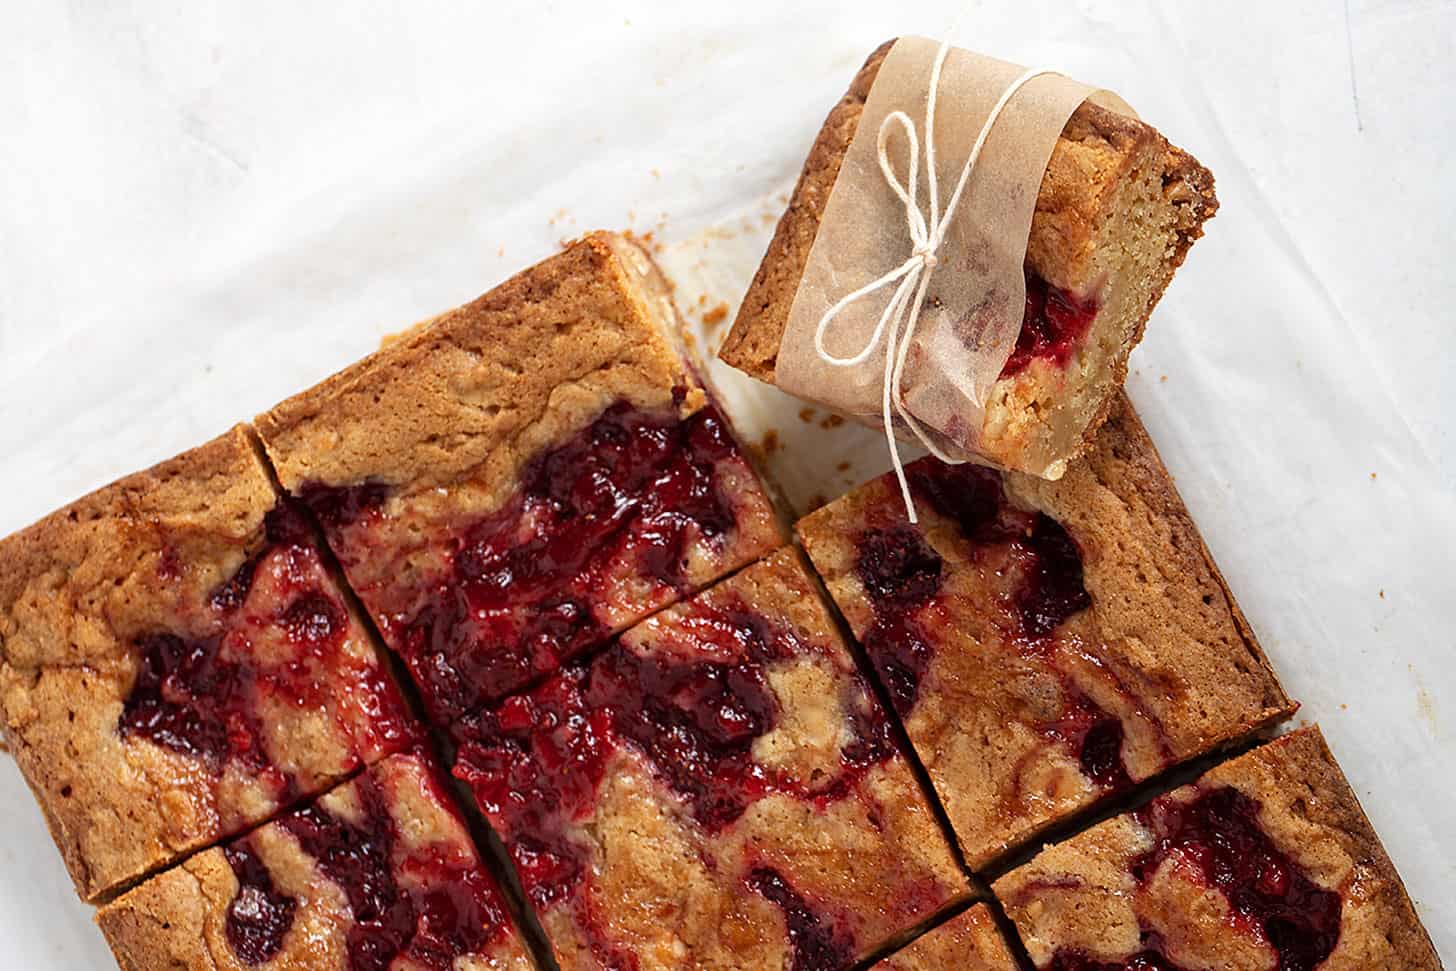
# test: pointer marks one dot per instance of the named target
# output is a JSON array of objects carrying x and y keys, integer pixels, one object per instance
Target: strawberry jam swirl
[
  {"x": 1216, "y": 838},
  {"x": 625, "y": 504},
  {"x": 446, "y": 908},
  {"x": 902, "y": 575},
  {"x": 204, "y": 696},
  {"x": 692, "y": 704}
]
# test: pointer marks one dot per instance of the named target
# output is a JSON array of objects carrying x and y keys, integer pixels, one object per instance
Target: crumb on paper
[
  {"x": 1426, "y": 707},
  {"x": 832, "y": 421},
  {"x": 806, "y": 415},
  {"x": 1372, "y": 476},
  {"x": 1344, "y": 707},
  {"x": 1382, "y": 595},
  {"x": 716, "y": 316},
  {"x": 842, "y": 467},
  {"x": 631, "y": 215},
  {"x": 770, "y": 443},
  {"x": 501, "y": 252},
  {"x": 559, "y": 216},
  {"x": 656, "y": 173},
  {"x": 769, "y": 219},
  {"x": 1162, "y": 379}
]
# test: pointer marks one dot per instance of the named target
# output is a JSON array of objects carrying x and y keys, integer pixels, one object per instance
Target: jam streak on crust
[
  {"x": 258, "y": 917},
  {"x": 635, "y": 491},
  {"x": 817, "y": 945},
  {"x": 693, "y": 708},
  {"x": 448, "y": 910},
  {"x": 1053, "y": 324},
  {"x": 200, "y": 696},
  {"x": 1217, "y": 836},
  {"x": 901, "y": 574}
]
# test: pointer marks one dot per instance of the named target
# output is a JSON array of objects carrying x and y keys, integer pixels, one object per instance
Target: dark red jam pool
[
  {"x": 1052, "y": 326},
  {"x": 632, "y": 495},
  {"x": 200, "y": 696},
  {"x": 817, "y": 944},
  {"x": 902, "y": 574},
  {"x": 1218, "y": 833},
  {"x": 692, "y": 704},
  {"x": 449, "y": 909}
]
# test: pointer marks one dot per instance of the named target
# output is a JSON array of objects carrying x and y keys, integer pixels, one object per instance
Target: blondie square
[
  {"x": 1266, "y": 862},
  {"x": 378, "y": 874},
  {"x": 716, "y": 790},
  {"x": 969, "y": 942},
  {"x": 1116, "y": 212},
  {"x": 523, "y": 477},
  {"x": 177, "y": 664},
  {"x": 1046, "y": 643}
]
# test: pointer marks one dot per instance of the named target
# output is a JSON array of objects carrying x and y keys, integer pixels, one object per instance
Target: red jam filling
[
  {"x": 258, "y": 916},
  {"x": 634, "y": 488},
  {"x": 1218, "y": 835},
  {"x": 1053, "y": 324},
  {"x": 693, "y": 707},
  {"x": 448, "y": 909},
  {"x": 901, "y": 574},
  {"x": 817, "y": 944},
  {"x": 200, "y": 696}
]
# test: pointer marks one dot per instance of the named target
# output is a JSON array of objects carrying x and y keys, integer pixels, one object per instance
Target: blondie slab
[
  {"x": 525, "y": 476},
  {"x": 1266, "y": 863},
  {"x": 176, "y": 664},
  {"x": 969, "y": 942},
  {"x": 716, "y": 790},
  {"x": 1117, "y": 210},
  {"x": 1046, "y": 643},
  {"x": 378, "y": 874}
]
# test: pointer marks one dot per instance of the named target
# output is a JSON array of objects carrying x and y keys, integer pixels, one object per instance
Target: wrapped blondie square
[{"x": 1020, "y": 383}]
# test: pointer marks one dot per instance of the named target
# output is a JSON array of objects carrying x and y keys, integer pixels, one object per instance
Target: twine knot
[{"x": 897, "y": 324}]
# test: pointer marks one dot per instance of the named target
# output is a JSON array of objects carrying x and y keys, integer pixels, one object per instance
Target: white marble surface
[{"x": 207, "y": 206}]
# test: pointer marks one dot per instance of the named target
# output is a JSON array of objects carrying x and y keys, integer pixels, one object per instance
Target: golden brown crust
[
  {"x": 483, "y": 387},
  {"x": 163, "y": 925},
  {"x": 668, "y": 889},
  {"x": 449, "y": 417},
  {"x": 82, "y": 589},
  {"x": 1092, "y": 172},
  {"x": 1162, "y": 649},
  {"x": 75, "y": 588},
  {"x": 1082, "y": 895},
  {"x": 178, "y": 918},
  {"x": 968, "y": 942}
]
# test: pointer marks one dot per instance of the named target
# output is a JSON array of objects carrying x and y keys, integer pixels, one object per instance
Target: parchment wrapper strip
[{"x": 972, "y": 314}]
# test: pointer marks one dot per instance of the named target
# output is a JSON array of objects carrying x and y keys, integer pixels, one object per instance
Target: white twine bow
[{"x": 913, "y": 275}]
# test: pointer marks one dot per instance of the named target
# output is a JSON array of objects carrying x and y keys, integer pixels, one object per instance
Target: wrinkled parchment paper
[
  {"x": 976, "y": 296},
  {"x": 208, "y": 208}
]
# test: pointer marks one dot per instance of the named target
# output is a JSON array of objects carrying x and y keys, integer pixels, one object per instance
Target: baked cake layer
[
  {"x": 177, "y": 663},
  {"x": 717, "y": 789},
  {"x": 1045, "y": 643},
  {"x": 525, "y": 476},
  {"x": 378, "y": 874},
  {"x": 969, "y": 942},
  {"x": 1266, "y": 862},
  {"x": 1116, "y": 212}
]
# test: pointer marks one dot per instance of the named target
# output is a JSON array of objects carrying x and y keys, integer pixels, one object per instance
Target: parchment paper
[
  {"x": 974, "y": 305},
  {"x": 206, "y": 207}
]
